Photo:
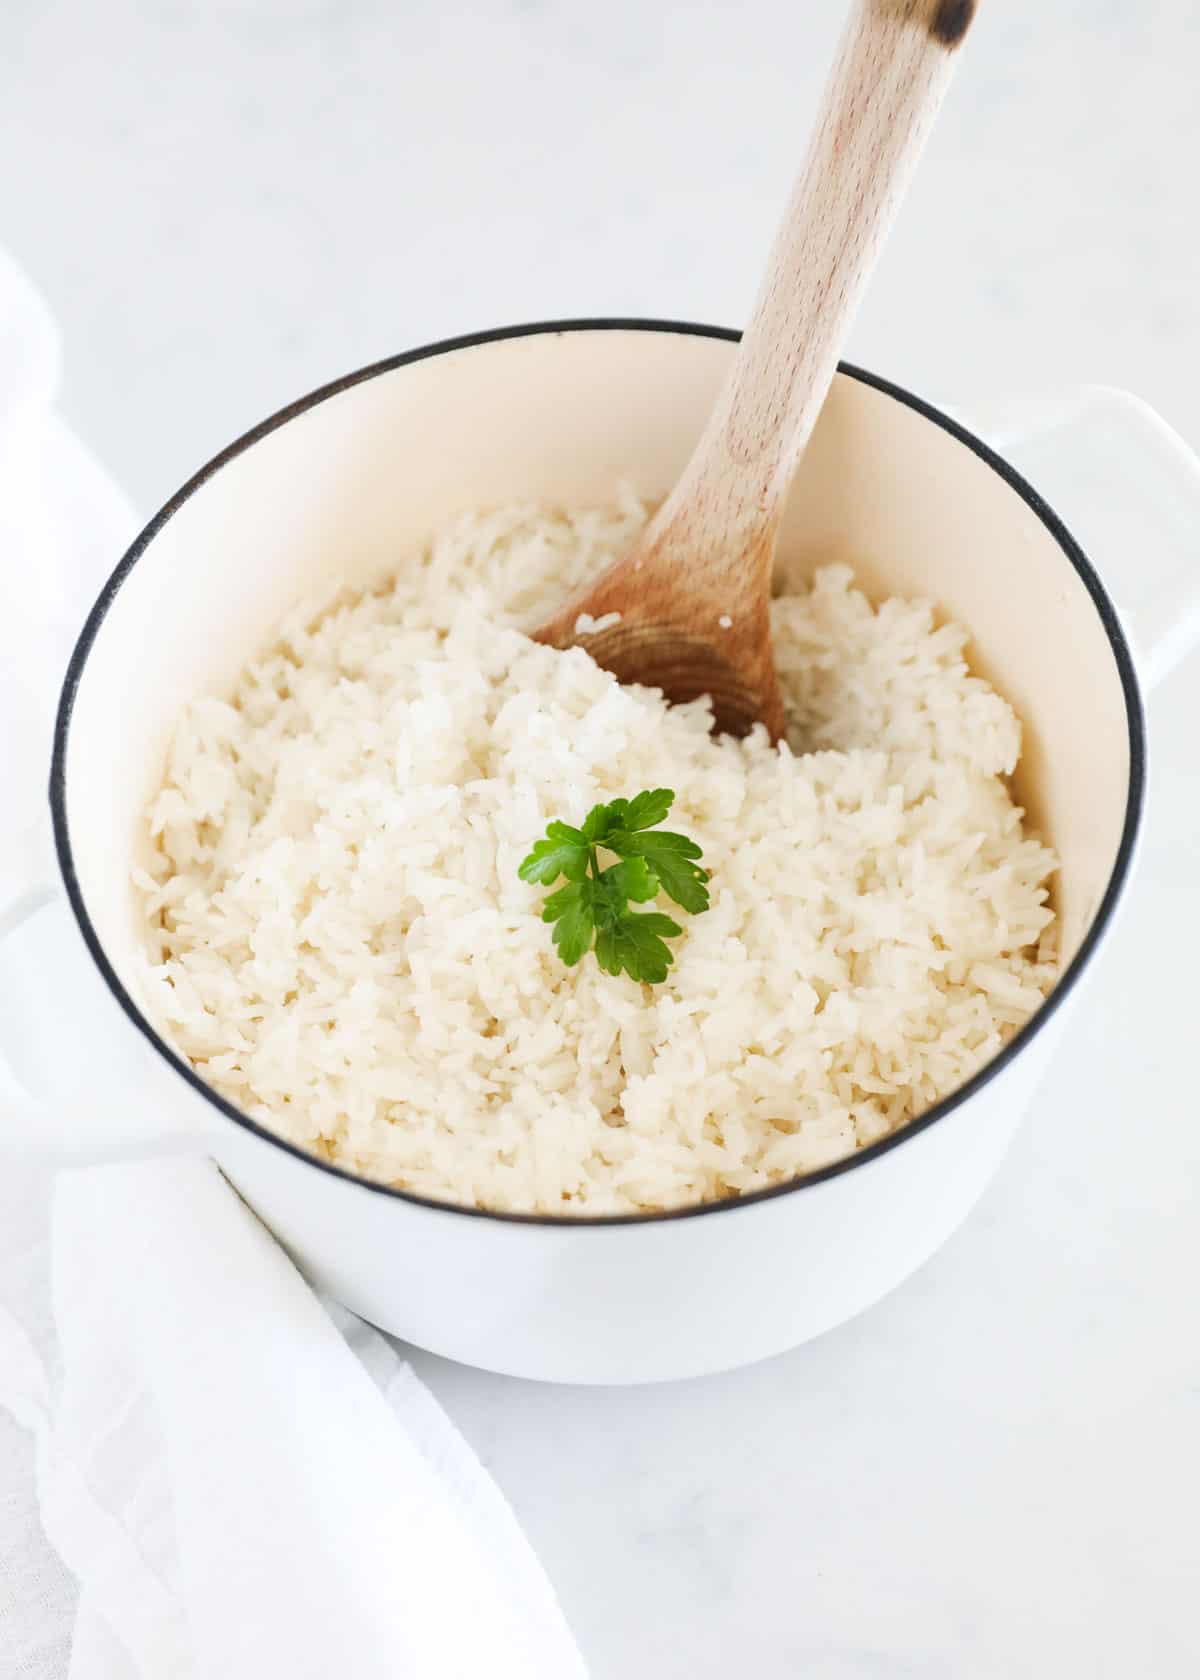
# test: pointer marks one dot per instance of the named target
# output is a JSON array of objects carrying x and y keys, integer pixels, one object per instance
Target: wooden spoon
[{"x": 693, "y": 592}]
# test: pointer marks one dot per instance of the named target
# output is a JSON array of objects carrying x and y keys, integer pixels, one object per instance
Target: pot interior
[{"x": 350, "y": 483}]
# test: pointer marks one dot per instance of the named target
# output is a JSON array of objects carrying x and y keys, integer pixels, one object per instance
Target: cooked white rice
[{"x": 342, "y": 946}]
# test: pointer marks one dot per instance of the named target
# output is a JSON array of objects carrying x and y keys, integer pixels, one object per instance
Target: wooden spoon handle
[
  {"x": 688, "y": 607},
  {"x": 893, "y": 67}
]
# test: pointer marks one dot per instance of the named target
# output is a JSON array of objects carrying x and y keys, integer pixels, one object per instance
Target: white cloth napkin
[{"x": 243, "y": 1481}]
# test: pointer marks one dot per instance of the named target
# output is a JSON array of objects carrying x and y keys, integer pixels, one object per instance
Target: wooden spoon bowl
[{"x": 712, "y": 638}]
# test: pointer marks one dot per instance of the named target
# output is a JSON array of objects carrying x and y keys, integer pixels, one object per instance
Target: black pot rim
[{"x": 896, "y": 1140}]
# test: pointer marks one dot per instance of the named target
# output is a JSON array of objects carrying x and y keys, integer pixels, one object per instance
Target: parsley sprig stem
[{"x": 594, "y": 906}]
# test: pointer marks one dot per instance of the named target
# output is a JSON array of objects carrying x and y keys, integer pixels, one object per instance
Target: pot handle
[
  {"x": 1128, "y": 489},
  {"x": 71, "y": 1091}
]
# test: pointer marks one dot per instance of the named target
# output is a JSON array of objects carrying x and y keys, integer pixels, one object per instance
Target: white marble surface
[{"x": 995, "y": 1472}]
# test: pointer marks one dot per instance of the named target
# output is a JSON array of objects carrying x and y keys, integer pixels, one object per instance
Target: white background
[
  {"x": 995, "y": 1473},
  {"x": 231, "y": 201}
]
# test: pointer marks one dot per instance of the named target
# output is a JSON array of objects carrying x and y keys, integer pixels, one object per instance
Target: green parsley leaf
[
  {"x": 601, "y": 818},
  {"x": 632, "y": 878},
  {"x": 564, "y": 851},
  {"x": 636, "y": 944},
  {"x": 670, "y": 857},
  {"x": 595, "y": 903},
  {"x": 649, "y": 809},
  {"x": 572, "y": 910}
]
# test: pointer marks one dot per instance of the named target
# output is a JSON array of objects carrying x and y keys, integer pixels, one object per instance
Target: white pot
[{"x": 347, "y": 480}]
